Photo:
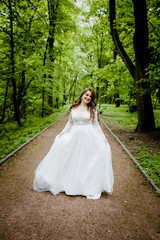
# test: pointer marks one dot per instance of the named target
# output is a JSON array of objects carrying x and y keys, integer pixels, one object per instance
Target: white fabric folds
[{"x": 79, "y": 162}]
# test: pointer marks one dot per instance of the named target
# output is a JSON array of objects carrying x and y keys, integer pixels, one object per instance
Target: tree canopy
[{"x": 51, "y": 49}]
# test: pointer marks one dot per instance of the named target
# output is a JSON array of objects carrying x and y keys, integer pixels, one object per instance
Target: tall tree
[
  {"x": 143, "y": 98},
  {"x": 52, "y": 13},
  {"x": 144, "y": 102},
  {"x": 16, "y": 106}
]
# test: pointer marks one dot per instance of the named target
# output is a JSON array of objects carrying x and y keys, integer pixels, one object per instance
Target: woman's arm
[
  {"x": 97, "y": 126},
  {"x": 67, "y": 127}
]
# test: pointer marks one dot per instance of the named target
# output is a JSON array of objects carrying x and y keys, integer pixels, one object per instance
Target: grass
[
  {"x": 12, "y": 136},
  {"x": 150, "y": 163},
  {"x": 121, "y": 118}
]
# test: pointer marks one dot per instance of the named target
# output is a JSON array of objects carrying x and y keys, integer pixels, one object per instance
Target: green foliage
[
  {"x": 158, "y": 193},
  {"x": 154, "y": 47},
  {"x": 157, "y": 117},
  {"x": 13, "y": 136},
  {"x": 82, "y": 53},
  {"x": 150, "y": 163},
  {"x": 132, "y": 106},
  {"x": 30, "y": 32}
]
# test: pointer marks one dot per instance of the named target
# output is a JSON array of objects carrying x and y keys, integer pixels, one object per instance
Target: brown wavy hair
[{"x": 91, "y": 105}]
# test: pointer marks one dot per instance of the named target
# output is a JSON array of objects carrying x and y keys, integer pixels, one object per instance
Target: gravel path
[{"x": 132, "y": 212}]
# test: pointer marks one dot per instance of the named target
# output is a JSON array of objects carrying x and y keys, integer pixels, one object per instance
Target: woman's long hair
[{"x": 91, "y": 105}]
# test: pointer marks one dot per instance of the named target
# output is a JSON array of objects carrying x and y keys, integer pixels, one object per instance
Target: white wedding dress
[{"x": 79, "y": 162}]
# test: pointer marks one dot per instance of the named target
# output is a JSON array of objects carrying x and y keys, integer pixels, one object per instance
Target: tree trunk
[
  {"x": 64, "y": 94},
  {"x": 115, "y": 37},
  {"x": 22, "y": 93},
  {"x": 43, "y": 95},
  {"x": 50, "y": 94},
  {"x": 105, "y": 90},
  {"x": 16, "y": 107},
  {"x": 100, "y": 65},
  {"x": 116, "y": 95},
  {"x": 21, "y": 88},
  {"x": 143, "y": 98},
  {"x": 117, "y": 101},
  {"x": 57, "y": 97},
  {"x": 52, "y": 7},
  {"x": 5, "y": 100},
  {"x": 71, "y": 87},
  {"x": 23, "y": 108},
  {"x": 109, "y": 100},
  {"x": 44, "y": 80},
  {"x": 74, "y": 91},
  {"x": 97, "y": 92}
]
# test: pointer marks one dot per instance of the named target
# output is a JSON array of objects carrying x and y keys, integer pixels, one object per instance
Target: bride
[{"x": 79, "y": 161}]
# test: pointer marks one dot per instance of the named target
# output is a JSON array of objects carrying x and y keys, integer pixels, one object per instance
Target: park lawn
[
  {"x": 122, "y": 118},
  {"x": 144, "y": 147},
  {"x": 12, "y": 136}
]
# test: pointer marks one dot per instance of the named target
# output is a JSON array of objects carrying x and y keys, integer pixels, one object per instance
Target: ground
[
  {"x": 133, "y": 139},
  {"x": 131, "y": 212}
]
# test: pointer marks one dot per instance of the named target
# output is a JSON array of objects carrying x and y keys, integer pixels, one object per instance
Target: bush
[{"x": 132, "y": 108}]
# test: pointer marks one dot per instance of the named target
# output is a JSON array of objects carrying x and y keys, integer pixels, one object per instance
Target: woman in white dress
[{"x": 79, "y": 161}]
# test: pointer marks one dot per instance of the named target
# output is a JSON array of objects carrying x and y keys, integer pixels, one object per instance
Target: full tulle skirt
[{"x": 78, "y": 163}]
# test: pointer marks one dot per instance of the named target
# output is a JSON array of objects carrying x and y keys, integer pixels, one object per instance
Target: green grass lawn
[
  {"x": 12, "y": 136},
  {"x": 121, "y": 116}
]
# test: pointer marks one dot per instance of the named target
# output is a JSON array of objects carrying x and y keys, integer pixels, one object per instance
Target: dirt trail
[{"x": 132, "y": 212}]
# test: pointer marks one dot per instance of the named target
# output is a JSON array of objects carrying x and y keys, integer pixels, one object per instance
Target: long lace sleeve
[
  {"x": 68, "y": 125},
  {"x": 97, "y": 126}
]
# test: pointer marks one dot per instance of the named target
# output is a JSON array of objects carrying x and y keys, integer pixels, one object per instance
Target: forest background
[{"x": 52, "y": 49}]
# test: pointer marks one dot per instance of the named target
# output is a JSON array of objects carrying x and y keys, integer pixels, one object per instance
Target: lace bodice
[{"x": 81, "y": 117}]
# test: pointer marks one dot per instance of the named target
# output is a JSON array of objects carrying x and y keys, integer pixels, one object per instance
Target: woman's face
[{"x": 86, "y": 98}]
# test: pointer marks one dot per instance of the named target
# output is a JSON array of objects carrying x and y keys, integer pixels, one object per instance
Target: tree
[
  {"x": 52, "y": 13},
  {"x": 15, "y": 102},
  {"x": 60, "y": 47},
  {"x": 138, "y": 72}
]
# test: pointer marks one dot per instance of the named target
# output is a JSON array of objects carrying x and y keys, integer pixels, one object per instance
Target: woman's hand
[
  {"x": 106, "y": 141},
  {"x": 60, "y": 134}
]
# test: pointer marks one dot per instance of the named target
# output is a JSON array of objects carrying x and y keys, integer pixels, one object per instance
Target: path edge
[
  {"x": 24, "y": 144},
  {"x": 133, "y": 158}
]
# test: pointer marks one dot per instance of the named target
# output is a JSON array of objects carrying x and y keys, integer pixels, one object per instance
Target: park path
[{"x": 132, "y": 212}]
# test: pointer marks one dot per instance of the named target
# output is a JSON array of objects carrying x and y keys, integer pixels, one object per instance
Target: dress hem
[{"x": 71, "y": 194}]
